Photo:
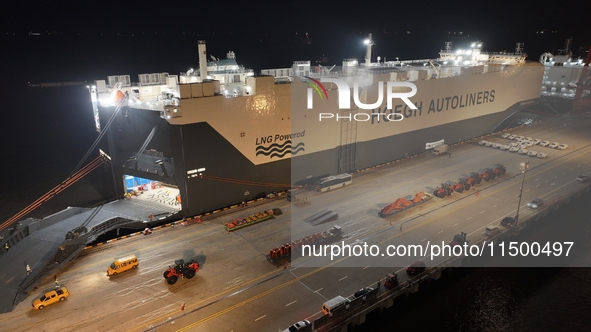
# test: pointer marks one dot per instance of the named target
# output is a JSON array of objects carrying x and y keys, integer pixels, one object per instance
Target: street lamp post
[{"x": 523, "y": 168}]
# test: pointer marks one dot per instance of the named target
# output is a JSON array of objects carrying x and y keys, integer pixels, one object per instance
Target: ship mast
[
  {"x": 368, "y": 42},
  {"x": 202, "y": 60}
]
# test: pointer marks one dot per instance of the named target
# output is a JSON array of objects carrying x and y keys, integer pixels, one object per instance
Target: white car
[
  {"x": 496, "y": 145},
  {"x": 511, "y": 137},
  {"x": 519, "y": 138},
  {"x": 536, "y": 141},
  {"x": 562, "y": 147},
  {"x": 514, "y": 149},
  {"x": 553, "y": 145},
  {"x": 523, "y": 151},
  {"x": 512, "y": 144},
  {"x": 482, "y": 142},
  {"x": 505, "y": 147},
  {"x": 489, "y": 144},
  {"x": 544, "y": 143},
  {"x": 297, "y": 326},
  {"x": 542, "y": 155},
  {"x": 505, "y": 135},
  {"x": 528, "y": 143},
  {"x": 532, "y": 153},
  {"x": 529, "y": 138}
]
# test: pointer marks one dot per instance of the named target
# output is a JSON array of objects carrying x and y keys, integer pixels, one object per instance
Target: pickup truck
[{"x": 53, "y": 296}]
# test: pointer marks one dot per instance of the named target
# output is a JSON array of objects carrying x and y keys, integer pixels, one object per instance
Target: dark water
[{"x": 45, "y": 132}]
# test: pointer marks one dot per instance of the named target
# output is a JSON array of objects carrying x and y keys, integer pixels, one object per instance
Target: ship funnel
[
  {"x": 368, "y": 42},
  {"x": 202, "y": 61}
]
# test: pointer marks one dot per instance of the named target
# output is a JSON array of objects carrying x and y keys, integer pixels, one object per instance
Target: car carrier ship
[{"x": 223, "y": 134}]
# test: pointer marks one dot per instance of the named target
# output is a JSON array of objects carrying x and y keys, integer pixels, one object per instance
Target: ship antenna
[
  {"x": 567, "y": 46},
  {"x": 368, "y": 42}
]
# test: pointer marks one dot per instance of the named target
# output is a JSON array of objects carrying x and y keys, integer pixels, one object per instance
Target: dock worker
[
  {"x": 151, "y": 217},
  {"x": 28, "y": 269},
  {"x": 6, "y": 246}
]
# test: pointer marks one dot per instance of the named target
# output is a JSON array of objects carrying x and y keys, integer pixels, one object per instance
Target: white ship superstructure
[
  {"x": 562, "y": 72},
  {"x": 257, "y": 132}
]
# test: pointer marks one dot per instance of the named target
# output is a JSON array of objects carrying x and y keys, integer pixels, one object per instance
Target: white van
[{"x": 331, "y": 305}]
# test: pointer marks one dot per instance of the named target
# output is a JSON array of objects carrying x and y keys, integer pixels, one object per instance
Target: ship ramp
[{"x": 49, "y": 244}]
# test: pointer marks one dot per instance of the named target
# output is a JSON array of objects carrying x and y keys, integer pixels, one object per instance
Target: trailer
[
  {"x": 253, "y": 219},
  {"x": 403, "y": 204}
]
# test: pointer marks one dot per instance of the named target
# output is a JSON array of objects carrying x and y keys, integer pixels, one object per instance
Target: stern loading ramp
[{"x": 49, "y": 244}]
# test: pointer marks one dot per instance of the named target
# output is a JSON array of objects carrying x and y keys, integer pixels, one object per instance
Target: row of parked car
[
  {"x": 528, "y": 141},
  {"x": 522, "y": 143},
  {"x": 515, "y": 147}
]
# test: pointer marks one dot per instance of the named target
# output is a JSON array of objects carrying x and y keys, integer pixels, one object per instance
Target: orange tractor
[
  {"x": 492, "y": 173},
  {"x": 443, "y": 191},
  {"x": 473, "y": 179},
  {"x": 181, "y": 269}
]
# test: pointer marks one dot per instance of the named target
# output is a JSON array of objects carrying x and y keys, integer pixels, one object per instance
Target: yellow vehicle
[
  {"x": 122, "y": 265},
  {"x": 53, "y": 296}
]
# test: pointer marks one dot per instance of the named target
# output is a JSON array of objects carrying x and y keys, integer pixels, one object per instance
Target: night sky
[
  {"x": 266, "y": 34},
  {"x": 260, "y": 17}
]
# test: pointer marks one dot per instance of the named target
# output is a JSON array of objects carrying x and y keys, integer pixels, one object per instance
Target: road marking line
[
  {"x": 482, "y": 211},
  {"x": 318, "y": 290},
  {"x": 527, "y": 190},
  {"x": 260, "y": 317},
  {"x": 307, "y": 274},
  {"x": 555, "y": 177},
  {"x": 290, "y": 303},
  {"x": 494, "y": 206},
  {"x": 537, "y": 179},
  {"x": 343, "y": 278},
  {"x": 366, "y": 267},
  {"x": 439, "y": 232},
  {"x": 423, "y": 240},
  {"x": 538, "y": 185}
]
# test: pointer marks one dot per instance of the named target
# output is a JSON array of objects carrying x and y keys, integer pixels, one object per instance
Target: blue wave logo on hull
[{"x": 280, "y": 150}]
